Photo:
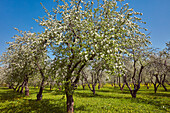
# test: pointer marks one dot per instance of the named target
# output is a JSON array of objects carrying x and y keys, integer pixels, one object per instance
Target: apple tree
[{"x": 80, "y": 32}]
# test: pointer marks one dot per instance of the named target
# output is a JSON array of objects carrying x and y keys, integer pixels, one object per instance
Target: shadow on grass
[
  {"x": 43, "y": 106},
  {"x": 48, "y": 91},
  {"x": 80, "y": 108},
  {"x": 57, "y": 92},
  {"x": 156, "y": 103},
  {"x": 90, "y": 95},
  {"x": 157, "y": 94},
  {"x": 10, "y": 95},
  {"x": 17, "y": 105}
]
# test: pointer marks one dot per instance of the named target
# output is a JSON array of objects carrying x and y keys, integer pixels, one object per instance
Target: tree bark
[
  {"x": 69, "y": 95},
  {"x": 16, "y": 87},
  {"x": 164, "y": 87},
  {"x": 163, "y": 81},
  {"x": 50, "y": 87},
  {"x": 114, "y": 83},
  {"x": 121, "y": 87},
  {"x": 133, "y": 93},
  {"x": 147, "y": 85},
  {"x": 156, "y": 87},
  {"x": 20, "y": 86},
  {"x": 94, "y": 92},
  {"x": 26, "y": 87},
  {"x": 39, "y": 95},
  {"x": 70, "y": 103},
  {"x": 99, "y": 86},
  {"x": 83, "y": 86}
]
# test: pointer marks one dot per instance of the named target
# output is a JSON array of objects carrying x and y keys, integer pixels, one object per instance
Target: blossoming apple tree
[
  {"x": 80, "y": 32},
  {"x": 26, "y": 57}
]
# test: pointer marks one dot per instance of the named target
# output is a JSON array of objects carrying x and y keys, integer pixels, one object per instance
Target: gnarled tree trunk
[
  {"x": 99, "y": 86},
  {"x": 121, "y": 87},
  {"x": 164, "y": 87},
  {"x": 70, "y": 102},
  {"x": 69, "y": 95},
  {"x": 39, "y": 95},
  {"x": 26, "y": 87},
  {"x": 133, "y": 93},
  {"x": 163, "y": 81},
  {"x": 156, "y": 87},
  {"x": 16, "y": 87},
  {"x": 20, "y": 86}
]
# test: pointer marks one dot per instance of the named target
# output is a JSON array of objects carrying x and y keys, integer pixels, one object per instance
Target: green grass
[{"x": 107, "y": 99}]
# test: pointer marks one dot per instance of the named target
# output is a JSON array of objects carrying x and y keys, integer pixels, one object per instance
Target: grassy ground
[{"x": 107, "y": 100}]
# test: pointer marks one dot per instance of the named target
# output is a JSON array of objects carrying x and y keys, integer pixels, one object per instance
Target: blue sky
[{"x": 20, "y": 14}]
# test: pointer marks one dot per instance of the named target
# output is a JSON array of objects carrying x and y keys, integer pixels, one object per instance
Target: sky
[{"x": 21, "y": 14}]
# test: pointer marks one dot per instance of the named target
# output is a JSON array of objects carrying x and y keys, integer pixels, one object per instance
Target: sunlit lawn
[{"x": 107, "y": 99}]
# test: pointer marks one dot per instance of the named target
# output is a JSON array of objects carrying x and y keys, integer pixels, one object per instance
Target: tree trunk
[
  {"x": 121, "y": 87},
  {"x": 22, "y": 89},
  {"x": 99, "y": 85},
  {"x": 50, "y": 87},
  {"x": 20, "y": 86},
  {"x": 94, "y": 92},
  {"x": 69, "y": 96},
  {"x": 89, "y": 86},
  {"x": 70, "y": 103},
  {"x": 147, "y": 85},
  {"x": 155, "y": 88},
  {"x": 164, "y": 87},
  {"x": 83, "y": 86},
  {"x": 163, "y": 81},
  {"x": 16, "y": 87},
  {"x": 92, "y": 89},
  {"x": 39, "y": 95},
  {"x": 26, "y": 87},
  {"x": 133, "y": 93},
  {"x": 11, "y": 86},
  {"x": 112, "y": 84}
]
